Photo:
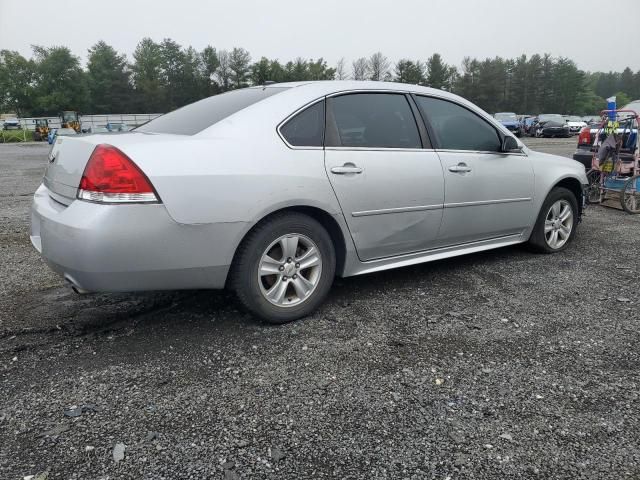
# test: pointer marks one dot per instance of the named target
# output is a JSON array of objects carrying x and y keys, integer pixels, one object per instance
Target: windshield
[
  {"x": 551, "y": 118},
  {"x": 506, "y": 117},
  {"x": 197, "y": 116},
  {"x": 573, "y": 118}
]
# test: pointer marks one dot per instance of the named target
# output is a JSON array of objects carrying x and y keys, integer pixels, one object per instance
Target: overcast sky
[{"x": 286, "y": 29}]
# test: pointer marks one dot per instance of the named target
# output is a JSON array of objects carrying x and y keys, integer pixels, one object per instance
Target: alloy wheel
[
  {"x": 289, "y": 270},
  {"x": 558, "y": 224}
]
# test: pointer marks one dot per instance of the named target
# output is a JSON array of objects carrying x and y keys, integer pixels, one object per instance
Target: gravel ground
[{"x": 503, "y": 364}]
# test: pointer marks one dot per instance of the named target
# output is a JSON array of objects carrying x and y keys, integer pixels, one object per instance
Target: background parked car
[
  {"x": 591, "y": 119},
  {"x": 510, "y": 121},
  {"x": 97, "y": 129},
  {"x": 11, "y": 123},
  {"x": 527, "y": 122},
  {"x": 60, "y": 132},
  {"x": 118, "y": 127},
  {"x": 575, "y": 124},
  {"x": 550, "y": 125}
]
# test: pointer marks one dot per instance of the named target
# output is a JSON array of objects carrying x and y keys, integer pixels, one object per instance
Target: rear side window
[
  {"x": 458, "y": 128},
  {"x": 373, "y": 120},
  {"x": 306, "y": 129},
  {"x": 197, "y": 116}
]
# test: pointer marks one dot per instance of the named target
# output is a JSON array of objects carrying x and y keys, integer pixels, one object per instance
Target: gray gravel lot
[{"x": 503, "y": 364}]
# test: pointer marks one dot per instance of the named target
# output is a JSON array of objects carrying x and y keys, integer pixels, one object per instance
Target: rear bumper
[
  {"x": 117, "y": 248},
  {"x": 583, "y": 156}
]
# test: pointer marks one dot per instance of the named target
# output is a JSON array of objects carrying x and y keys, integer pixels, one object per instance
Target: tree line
[{"x": 163, "y": 76}]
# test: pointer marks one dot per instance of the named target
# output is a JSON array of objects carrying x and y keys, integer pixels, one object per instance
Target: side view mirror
[{"x": 510, "y": 144}]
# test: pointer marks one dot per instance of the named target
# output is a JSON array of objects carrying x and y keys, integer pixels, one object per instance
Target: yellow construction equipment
[
  {"x": 70, "y": 119},
  {"x": 42, "y": 129}
]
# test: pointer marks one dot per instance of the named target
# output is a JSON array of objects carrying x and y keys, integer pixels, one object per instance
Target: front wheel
[
  {"x": 284, "y": 268},
  {"x": 556, "y": 223},
  {"x": 630, "y": 195}
]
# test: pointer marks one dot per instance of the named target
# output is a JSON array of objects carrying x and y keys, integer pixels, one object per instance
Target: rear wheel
[
  {"x": 284, "y": 268},
  {"x": 630, "y": 195},
  {"x": 555, "y": 227}
]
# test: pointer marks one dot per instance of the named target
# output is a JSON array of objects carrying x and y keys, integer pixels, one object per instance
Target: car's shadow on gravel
[{"x": 58, "y": 312}]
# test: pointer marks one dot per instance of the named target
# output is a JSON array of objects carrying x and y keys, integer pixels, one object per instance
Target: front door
[
  {"x": 488, "y": 194},
  {"x": 390, "y": 188}
]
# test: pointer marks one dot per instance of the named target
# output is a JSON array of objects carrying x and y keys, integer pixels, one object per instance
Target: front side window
[
  {"x": 458, "y": 128},
  {"x": 305, "y": 129},
  {"x": 372, "y": 120}
]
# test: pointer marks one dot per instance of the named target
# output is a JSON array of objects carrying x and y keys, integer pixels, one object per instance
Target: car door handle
[
  {"x": 346, "y": 168},
  {"x": 460, "y": 168}
]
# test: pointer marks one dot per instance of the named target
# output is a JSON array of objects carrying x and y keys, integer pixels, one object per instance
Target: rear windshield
[{"x": 197, "y": 116}]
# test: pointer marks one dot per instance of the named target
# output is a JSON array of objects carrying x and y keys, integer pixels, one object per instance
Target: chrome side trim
[
  {"x": 487, "y": 202},
  {"x": 482, "y": 152},
  {"x": 378, "y": 149},
  {"x": 388, "y": 263},
  {"x": 384, "y": 211}
]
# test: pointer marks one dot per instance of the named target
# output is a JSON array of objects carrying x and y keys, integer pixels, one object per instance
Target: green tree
[
  {"x": 239, "y": 66},
  {"x": 318, "y": 70},
  {"x": 626, "y": 83},
  {"x": 622, "y": 99},
  {"x": 408, "y": 71},
  {"x": 210, "y": 64},
  {"x": 17, "y": 77},
  {"x": 147, "y": 77},
  {"x": 61, "y": 82},
  {"x": 468, "y": 82},
  {"x": 261, "y": 71},
  {"x": 108, "y": 79},
  {"x": 182, "y": 74},
  {"x": 438, "y": 73}
]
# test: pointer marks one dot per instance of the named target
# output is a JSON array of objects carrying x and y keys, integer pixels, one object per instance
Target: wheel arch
[
  {"x": 325, "y": 219},
  {"x": 575, "y": 186}
]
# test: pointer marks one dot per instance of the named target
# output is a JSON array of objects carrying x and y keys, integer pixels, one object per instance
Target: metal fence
[{"x": 131, "y": 119}]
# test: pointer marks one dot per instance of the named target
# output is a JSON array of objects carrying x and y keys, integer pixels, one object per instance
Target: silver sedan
[{"x": 275, "y": 190}]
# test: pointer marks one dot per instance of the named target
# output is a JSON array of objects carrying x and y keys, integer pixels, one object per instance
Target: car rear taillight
[
  {"x": 585, "y": 136},
  {"x": 112, "y": 177}
]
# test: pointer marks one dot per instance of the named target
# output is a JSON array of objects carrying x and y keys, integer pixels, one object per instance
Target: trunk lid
[
  {"x": 66, "y": 162},
  {"x": 69, "y": 156}
]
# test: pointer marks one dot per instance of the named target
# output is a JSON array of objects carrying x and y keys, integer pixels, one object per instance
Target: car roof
[
  {"x": 295, "y": 95},
  {"x": 335, "y": 86}
]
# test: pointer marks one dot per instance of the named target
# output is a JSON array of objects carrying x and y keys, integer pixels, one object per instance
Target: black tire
[
  {"x": 245, "y": 278},
  {"x": 537, "y": 241}
]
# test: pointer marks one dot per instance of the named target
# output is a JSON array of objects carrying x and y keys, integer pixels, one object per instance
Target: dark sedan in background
[{"x": 550, "y": 125}]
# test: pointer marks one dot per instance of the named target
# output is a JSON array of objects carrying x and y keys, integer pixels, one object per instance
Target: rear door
[
  {"x": 488, "y": 193},
  {"x": 390, "y": 187}
]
